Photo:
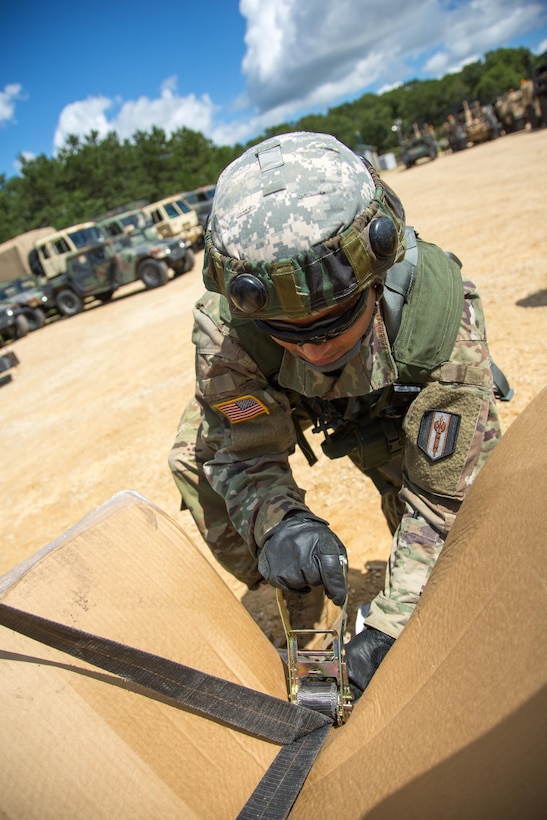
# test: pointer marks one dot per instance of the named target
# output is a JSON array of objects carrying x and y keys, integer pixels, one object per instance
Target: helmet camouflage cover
[{"x": 299, "y": 224}]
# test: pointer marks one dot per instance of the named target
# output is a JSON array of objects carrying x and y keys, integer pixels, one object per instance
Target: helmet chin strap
[
  {"x": 343, "y": 360},
  {"x": 336, "y": 365}
]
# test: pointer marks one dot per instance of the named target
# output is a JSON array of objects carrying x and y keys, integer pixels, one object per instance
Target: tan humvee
[
  {"x": 48, "y": 258},
  {"x": 173, "y": 217}
]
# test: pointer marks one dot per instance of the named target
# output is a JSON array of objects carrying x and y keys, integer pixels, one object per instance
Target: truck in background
[
  {"x": 173, "y": 217},
  {"x": 55, "y": 260},
  {"x": 201, "y": 200},
  {"x": 14, "y": 261},
  {"x": 29, "y": 298},
  {"x": 135, "y": 229}
]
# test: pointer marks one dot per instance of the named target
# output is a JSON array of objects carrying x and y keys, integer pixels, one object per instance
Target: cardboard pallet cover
[{"x": 453, "y": 724}]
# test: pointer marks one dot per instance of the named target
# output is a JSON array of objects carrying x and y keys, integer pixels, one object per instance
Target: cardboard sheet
[
  {"x": 77, "y": 743},
  {"x": 453, "y": 724}
]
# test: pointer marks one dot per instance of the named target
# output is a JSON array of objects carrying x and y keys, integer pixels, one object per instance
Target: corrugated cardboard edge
[
  {"x": 453, "y": 724},
  {"x": 77, "y": 742}
]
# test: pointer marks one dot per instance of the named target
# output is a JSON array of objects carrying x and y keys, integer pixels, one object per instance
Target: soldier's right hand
[{"x": 302, "y": 552}]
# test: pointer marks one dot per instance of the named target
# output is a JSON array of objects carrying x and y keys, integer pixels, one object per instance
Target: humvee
[
  {"x": 173, "y": 217},
  {"x": 54, "y": 261},
  {"x": 97, "y": 271},
  {"x": 31, "y": 299},
  {"x": 201, "y": 200},
  {"x": 48, "y": 257},
  {"x": 89, "y": 274},
  {"x": 13, "y": 325},
  {"x": 417, "y": 147},
  {"x": 135, "y": 229}
]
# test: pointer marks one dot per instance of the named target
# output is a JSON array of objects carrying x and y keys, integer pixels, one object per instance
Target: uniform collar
[{"x": 370, "y": 369}]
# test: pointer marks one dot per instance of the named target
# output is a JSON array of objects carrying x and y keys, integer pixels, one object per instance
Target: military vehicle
[
  {"x": 48, "y": 256},
  {"x": 14, "y": 262},
  {"x": 54, "y": 261},
  {"x": 13, "y": 324},
  {"x": 474, "y": 124},
  {"x": 135, "y": 229},
  {"x": 89, "y": 274},
  {"x": 421, "y": 144},
  {"x": 481, "y": 123},
  {"x": 98, "y": 270},
  {"x": 201, "y": 200},
  {"x": 456, "y": 133},
  {"x": 510, "y": 109},
  {"x": 31, "y": 299},
  {"x": 173, "y": 217}
]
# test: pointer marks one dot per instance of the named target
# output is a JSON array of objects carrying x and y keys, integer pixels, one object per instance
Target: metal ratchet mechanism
[{"x": 317, "y": 677}]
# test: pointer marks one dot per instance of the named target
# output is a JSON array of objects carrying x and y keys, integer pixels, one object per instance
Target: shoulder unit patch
[
  {"x": 438, "y": 433},
  {"x": 241, "y": 409}
]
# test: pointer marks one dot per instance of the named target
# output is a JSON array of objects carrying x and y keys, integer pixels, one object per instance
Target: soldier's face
[{"x": 331, "y": 350}]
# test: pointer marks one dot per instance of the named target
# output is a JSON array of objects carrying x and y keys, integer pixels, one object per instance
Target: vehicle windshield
[
  {"x": 139, "y": 221},
  {"x": 27, "y": 284},
  {"x": 86, "y": 236},
  {"x": 183, "y": 206},
  {"x": 11, "y": 290}
]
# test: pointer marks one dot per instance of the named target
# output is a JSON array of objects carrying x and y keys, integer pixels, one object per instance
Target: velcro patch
[
  {"x": 438, "y": 433},
  {"x": 241, "y": 409}
]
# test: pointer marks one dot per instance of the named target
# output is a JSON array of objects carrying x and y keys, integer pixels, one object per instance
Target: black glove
[
  {"x": 364, "y": 654},
  {"x": 302, "y": 552}
]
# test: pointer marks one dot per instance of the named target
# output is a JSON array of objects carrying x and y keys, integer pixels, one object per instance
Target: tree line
[{"x": 89, "y": 175}]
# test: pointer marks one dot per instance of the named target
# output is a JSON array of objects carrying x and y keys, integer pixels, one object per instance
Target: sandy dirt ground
[{"x": 94, "y": 404}]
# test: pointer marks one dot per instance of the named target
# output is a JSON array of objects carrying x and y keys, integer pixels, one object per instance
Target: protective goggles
[{"x": 319, "y": 332}]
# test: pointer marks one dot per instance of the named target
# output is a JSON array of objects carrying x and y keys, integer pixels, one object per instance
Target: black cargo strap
[{"x": 301, "y": 731}]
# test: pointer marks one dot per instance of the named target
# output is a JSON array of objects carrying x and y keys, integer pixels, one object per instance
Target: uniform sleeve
[
  {"x": 450, "y": 430},
  {"x": 248, "y": 425}
]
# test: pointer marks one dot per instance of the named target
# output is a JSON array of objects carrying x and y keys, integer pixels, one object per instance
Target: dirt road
[{"x": 93, "y": 407}]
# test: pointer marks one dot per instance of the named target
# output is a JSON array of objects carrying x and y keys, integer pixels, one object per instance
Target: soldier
[{"x": 324, "y": 310}]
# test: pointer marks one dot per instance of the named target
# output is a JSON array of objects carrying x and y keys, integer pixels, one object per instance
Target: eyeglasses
[{"x": 319, "y": 332}]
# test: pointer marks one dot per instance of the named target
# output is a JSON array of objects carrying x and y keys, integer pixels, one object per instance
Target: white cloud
[
  {"x": 169, "y": 111},
  {"x": 301, "y": 55},
  {"x": 310, "y": 56},
  {"x": 8, "y": 97}
]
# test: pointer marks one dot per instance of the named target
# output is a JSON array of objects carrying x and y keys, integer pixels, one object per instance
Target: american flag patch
[{"x": 241, "y": 409}]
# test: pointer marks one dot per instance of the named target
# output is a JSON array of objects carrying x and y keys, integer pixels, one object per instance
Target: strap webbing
[
  {"x": 300, "y": 730},
  {"x": 275, "y": 794}
]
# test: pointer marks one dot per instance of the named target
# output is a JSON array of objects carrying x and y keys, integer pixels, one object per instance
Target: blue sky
[{"x": 228, "y": 69}]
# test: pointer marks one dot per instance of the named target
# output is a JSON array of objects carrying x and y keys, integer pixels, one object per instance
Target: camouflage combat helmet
[{"x": 299, "y": 224}]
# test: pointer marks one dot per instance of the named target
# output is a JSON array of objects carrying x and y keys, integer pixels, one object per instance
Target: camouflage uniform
[
  {"x": 230, "y": 459},
  {"x": 235, "y": 478}
]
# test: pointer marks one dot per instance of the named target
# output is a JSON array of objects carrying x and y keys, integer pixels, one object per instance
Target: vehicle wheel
[
  {"x": 21, "y": 326},
  {"x": 35, "y": 317},
  {"x": 189, "y": 261},
  {"x": 68, "y": 302},
  {"x": 106, "y": 296},
  {"x": 153, "y": 273}
]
